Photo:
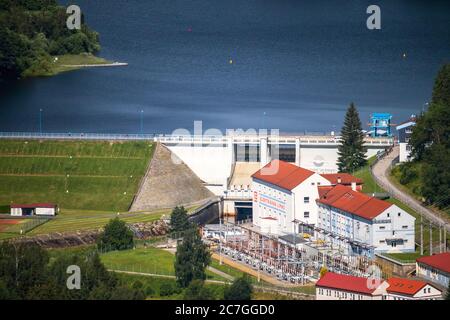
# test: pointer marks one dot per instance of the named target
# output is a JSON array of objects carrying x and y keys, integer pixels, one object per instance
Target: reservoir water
[{"x": 286, "y": 64}]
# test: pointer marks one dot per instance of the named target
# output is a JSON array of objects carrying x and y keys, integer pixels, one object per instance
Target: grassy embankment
[
  {"x": 412, "y": 187},
  {"x": 70, "y": 62},
  {"x": 370, "y": 186},
  {"x": 157, "y": 261},
  {"x": 91, "y": 181}
]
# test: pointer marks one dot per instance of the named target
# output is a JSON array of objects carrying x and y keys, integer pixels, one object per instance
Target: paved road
[{"x": 380, "y": 173}]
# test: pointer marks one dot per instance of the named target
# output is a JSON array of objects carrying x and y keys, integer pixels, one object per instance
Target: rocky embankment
[{"x": 62, "y": 240}]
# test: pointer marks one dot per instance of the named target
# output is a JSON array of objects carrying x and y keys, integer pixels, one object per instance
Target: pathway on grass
[{"x": 380, "y": 172}]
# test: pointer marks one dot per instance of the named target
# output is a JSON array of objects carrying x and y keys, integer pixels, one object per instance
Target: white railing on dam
[{"x": 200, "y": 140}]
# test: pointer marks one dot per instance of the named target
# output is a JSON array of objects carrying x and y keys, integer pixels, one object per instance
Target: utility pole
[
  {"x": 40, "y": 120},
  {"x": 142, "y": 121},
  {"x": 421, "y": 235},
  {"x": 440, "y": 238},
  {"x": 445, "y": 238},
  {"x": 431, "y": 239}
]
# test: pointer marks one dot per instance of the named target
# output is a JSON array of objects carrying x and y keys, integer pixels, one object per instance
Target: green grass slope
[{"x": 85, "y": 175}]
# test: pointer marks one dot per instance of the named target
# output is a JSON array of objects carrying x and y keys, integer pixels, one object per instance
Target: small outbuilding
[{"x": 34, "y": 209}]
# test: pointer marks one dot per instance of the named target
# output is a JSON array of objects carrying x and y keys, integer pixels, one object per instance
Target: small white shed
[{"x": 34, "y": 209}]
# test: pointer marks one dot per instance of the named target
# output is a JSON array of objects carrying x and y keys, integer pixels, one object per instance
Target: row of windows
[
  {"x": 384, "y": 228},
  {"x": 340, "y": 294}
]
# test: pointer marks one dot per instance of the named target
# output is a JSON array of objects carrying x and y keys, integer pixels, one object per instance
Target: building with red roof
[
  {"x": 32, "y": 209},
  {"x": 335, "y": 286},
  {"x": 287, "y": 193},
  {"x": 344, "y": 179},
  {"x": 435, "y": 268},
  {"x": 409, "y": 289},
  {"x": 363, "y": 224}
]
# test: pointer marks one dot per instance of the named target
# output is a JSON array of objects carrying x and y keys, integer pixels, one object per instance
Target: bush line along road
[{"x": 380, "y": 172}]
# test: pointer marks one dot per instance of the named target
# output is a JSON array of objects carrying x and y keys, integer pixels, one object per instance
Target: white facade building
[
  {"x": 404, "y": 134},
  {"x": 361, "y": 224},
  {"x": 284, "y": 197},
  {"x": 408, "y": 289},
  {"x": 334, "y": 286},
  {"x": 435, "y": 268}
]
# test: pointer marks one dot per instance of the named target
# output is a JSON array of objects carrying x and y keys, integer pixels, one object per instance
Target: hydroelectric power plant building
[{"x": 290, "y": 199}]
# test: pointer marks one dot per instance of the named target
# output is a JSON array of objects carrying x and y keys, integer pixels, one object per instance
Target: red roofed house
[
  {"x": 334, "y": 286},
  {"x": 435, "y": 268},
  {"x": 408, "y": 289},
  {"x": 287, "y": 194},
  {"x": 363, "y": 224},
  {"x": 344, "y": 179},
  {"x": 32, "y": 209}
]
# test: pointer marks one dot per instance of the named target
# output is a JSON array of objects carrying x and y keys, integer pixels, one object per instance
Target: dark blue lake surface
[{"x": 299, "y": 62}]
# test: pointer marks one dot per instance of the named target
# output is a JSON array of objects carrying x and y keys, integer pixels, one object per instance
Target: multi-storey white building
[
  {"x": 334, "y": 286},
  {"x": 284, "y": 197},
  {"x": 404, "y": 134},
  {"x": 408, "y": 289},
  {"x": 361, "y": 224},
  {"x": 435, "y": 268}
]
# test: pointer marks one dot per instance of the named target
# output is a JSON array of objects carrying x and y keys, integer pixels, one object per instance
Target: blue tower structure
[{"x": 380, "y": 125}]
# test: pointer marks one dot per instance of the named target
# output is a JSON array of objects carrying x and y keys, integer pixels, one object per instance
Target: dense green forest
[
  {"x": 428, "y": 175},
  {"x": 32, "y": 31}
]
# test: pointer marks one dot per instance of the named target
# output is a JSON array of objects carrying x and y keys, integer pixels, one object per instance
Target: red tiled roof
[
  {"x": 439, "y": 261},
  {"x": 405, "y": 286},
  {"x": 344, "y": 282},
  {"x": 360, "y": 204},
  {"x": 345, "y": 178},
  {"x": 288, "y": 176},
  {"x": 34, "y": 205},
  {"x": 323, "y": 190}
]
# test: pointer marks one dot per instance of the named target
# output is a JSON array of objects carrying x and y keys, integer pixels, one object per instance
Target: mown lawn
[
  {"x": 146, "y": 260},
  {"x": 369, "y": 185},
  {"x": 77, "y": 220},
  {"x": 84, "y": 175}
]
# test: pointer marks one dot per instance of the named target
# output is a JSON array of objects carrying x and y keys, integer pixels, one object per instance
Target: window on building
[
  {"x": 312, "y": 183},
  {"x": 382, "y": 227},
  {"x": 404, "y": 227},
  {"x": 388, "y": 214},
  {"x": 399, "y": 214},
  {"x": 306, "y": 214},
  {"x": 306, "y": 199}
]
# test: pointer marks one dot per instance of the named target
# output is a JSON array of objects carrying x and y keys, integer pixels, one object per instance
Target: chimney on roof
[
  {"x": 354, "y": 186},
  {"x": 339, "y": 181}
]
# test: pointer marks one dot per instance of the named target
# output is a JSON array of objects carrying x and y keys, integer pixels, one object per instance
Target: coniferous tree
[
  {"x": 240, "y": 289},
  {"x": 351, "y": 151},
  {"x": 191, "y": 259},
  {"x": 179, "y": 221}
]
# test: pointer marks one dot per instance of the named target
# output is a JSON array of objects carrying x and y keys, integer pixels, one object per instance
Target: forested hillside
[{"x": 32, "y": 31}]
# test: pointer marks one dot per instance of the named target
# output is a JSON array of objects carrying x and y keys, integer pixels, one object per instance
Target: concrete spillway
[{"x": 169, "y": 183}]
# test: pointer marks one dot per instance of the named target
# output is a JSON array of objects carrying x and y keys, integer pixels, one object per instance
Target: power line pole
[
  {"x": 431, "y": 239},
  {"x": 421, "y": 235},
  {"x": 440, "y": 238}
]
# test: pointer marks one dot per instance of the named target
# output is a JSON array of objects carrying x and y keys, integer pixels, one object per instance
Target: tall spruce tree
[
  {"x": 351, "y": 151},
  {"x": 191, "y": 259}
]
